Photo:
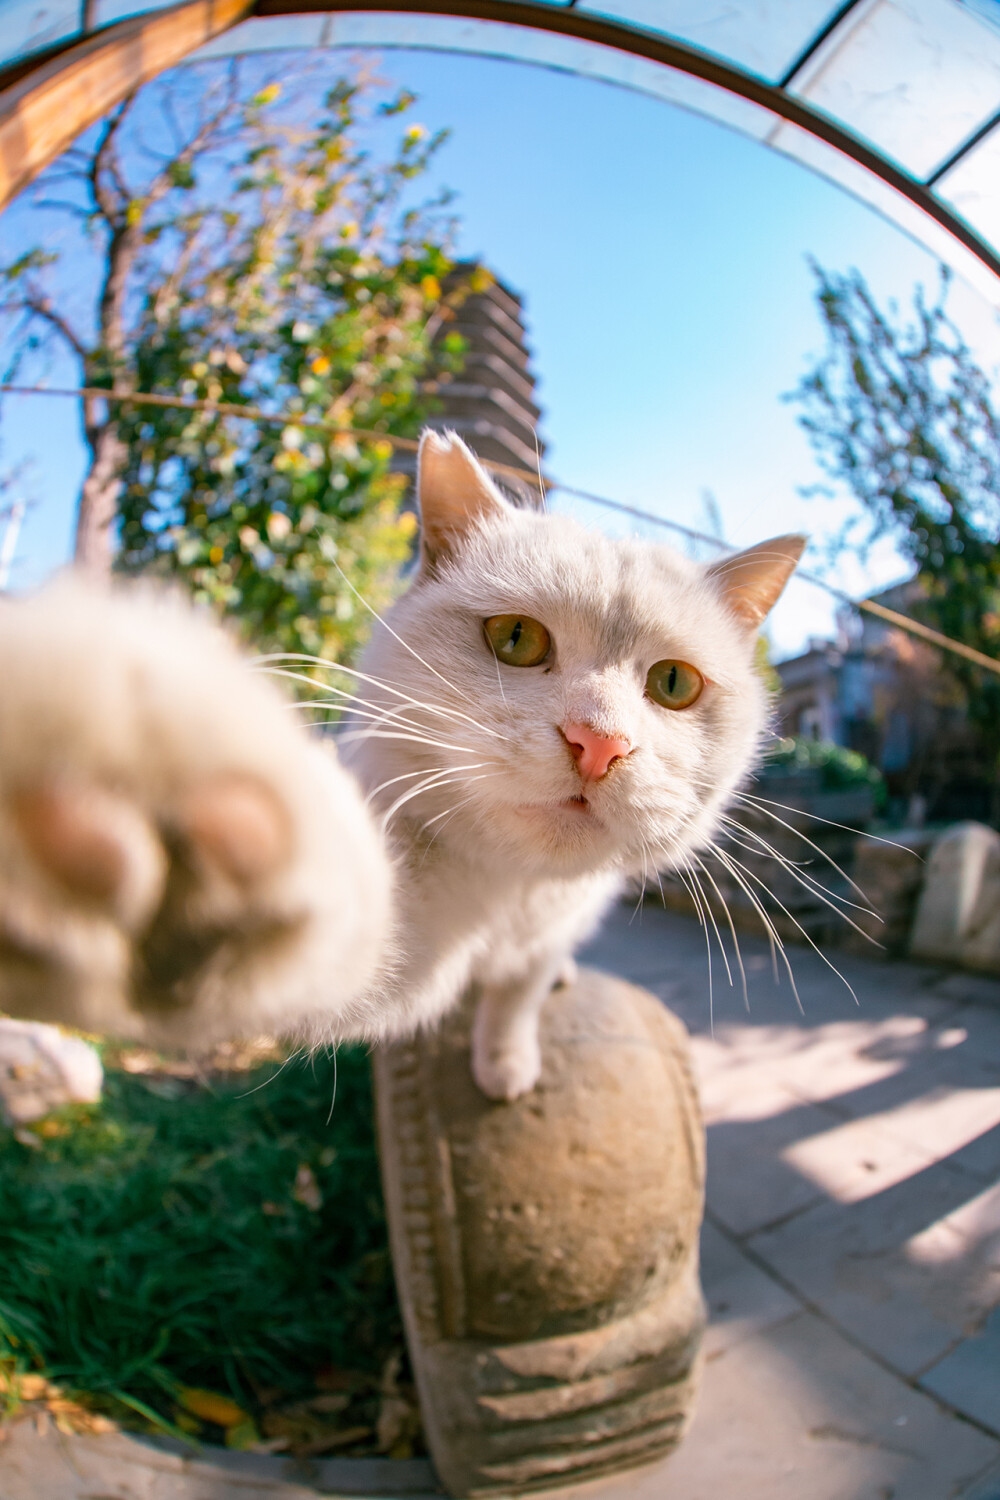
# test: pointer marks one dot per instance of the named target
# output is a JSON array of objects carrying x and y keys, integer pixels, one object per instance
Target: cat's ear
[
  {"x": 751, "y": 582},
  {"x": 453, "y": 493}
]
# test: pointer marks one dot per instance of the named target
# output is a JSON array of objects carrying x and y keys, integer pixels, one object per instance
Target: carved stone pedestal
[{"x": 546, "y": 1251}]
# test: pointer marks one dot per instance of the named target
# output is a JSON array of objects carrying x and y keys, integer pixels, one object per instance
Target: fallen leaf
[
  {"x": 242, "y": 1436},
  {"x": 211, "y": 1407}
]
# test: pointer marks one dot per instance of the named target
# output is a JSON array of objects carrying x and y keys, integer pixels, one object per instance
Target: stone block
[
  {"x": 958, "y": 914},
  {"x": 546, "y": 1251},
  {"x": 42, "y": 1068},
  {"x": 969, "y": 1377},
  {"x": 891, "y": 875}
]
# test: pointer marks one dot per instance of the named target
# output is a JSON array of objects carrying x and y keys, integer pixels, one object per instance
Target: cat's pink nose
[{"x": 594, "y": 753}]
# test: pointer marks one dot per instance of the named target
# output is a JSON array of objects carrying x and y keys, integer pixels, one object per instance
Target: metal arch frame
[{"x": 67, "y": 81}]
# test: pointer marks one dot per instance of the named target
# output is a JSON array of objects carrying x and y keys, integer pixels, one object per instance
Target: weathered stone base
[{"x": 546, "y": 1251}]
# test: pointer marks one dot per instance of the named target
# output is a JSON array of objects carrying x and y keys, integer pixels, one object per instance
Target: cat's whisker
[
  {"x": 389, "y": 687},
  {"x": 366, "y": 711},
  {"x": 796, "y": 923},
  {"x": 430, "y": 784},
  {"x": 642, "y": 886},
  {"x": 815, "y": 817},
  {"x": 732, "y": 928},
  {"x": 776, "y": 943},
  {"x": 431, "y": 821},
  {"x": 715, "y": 925},
  {"x": 396, "y": 637},
  {"x": 423, "y": 771},
  {"x": 453, "y": 812},
  {"x": 828, "y": 898},
  {"x": 697, "y": 897},
  {"x": 350, "y": 736},
  {"x": 798, "y": 871},
  {"x": 756, "y": 806}
]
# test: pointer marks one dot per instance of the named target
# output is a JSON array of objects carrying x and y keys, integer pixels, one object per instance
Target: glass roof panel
[
  {"x": 494, "y": 39},
  {"x": 857, "y": 180},
  {"x": 972, "y": 188},
  {"x": 763, "y": 36},
  {"x": 914, "y": 77}
]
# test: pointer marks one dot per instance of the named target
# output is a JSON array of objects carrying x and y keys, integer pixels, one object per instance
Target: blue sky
[{"x": 663, "y": 263}]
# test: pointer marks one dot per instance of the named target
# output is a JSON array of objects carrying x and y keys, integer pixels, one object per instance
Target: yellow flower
[
  {"x": 320, "y": 365},
  {"x": 431, "y": 287},
  {"x": 216, "y": 554}
]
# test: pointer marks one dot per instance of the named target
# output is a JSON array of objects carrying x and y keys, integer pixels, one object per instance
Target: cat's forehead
[{"x": 617, "y": 593}]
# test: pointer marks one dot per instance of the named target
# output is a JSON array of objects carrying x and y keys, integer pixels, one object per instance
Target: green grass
[{"x": 227, "y": 1235}]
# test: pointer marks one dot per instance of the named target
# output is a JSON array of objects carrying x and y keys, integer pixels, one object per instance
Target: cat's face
[{"x": 597, "y": 699}]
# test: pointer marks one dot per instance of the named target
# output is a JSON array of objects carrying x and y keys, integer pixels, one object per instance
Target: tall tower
[{"x": 491, "y": 403}]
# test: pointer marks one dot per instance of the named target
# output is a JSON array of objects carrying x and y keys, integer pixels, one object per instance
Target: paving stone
[
  {"x": 746, "y": 1200},
  {"x": 907, "y": 1272},
  {"x": 798, "y": 1413},
  {"x": 947, "y": 1103},
  {"x": 742, "y": 1300},
  {"x": 853, "y": 1159},
  {"x": 977, "y": 1219},
  {"x": 969, "y": 1377}
]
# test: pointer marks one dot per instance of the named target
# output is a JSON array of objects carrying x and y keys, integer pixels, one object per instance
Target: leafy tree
[
  {"x": 261, "y": 263},
  {"x": 901, "y": 414}
]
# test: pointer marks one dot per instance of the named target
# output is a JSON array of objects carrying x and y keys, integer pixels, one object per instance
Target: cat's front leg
[{"x": 506, "y": 1053}]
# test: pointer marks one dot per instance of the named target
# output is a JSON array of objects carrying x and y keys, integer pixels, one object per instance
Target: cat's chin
[{"x": 562, "y": 835}]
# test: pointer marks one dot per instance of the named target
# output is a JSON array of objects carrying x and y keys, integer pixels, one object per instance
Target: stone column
[{"x": 546, "y": 1251}]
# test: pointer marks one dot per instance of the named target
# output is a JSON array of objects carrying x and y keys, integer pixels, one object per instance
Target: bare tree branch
[{"x": 41, "y": 306}]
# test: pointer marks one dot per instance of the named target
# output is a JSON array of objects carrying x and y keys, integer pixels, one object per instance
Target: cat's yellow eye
[
  {"x": 517, "y": 640},
  {"x": 674, "y": 684}
]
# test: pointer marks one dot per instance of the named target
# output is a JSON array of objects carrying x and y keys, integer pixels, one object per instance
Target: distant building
[
  {"x": 491, "y": 402},
  {"x": 879, "y": 691}
]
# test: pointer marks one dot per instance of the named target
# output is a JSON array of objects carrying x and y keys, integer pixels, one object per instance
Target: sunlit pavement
[{"x": 851, "y": 1251}]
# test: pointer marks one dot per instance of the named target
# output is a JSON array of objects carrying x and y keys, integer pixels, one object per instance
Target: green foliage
[
  {"x": 163, "y": 1238},
  {"x": 306, "y": 293},
  {"x": 839, "y": 768},
  {"x": 903, "y": 417},
  {"x": 280, "y": 266},
  {"x": 764, "y": 665}
]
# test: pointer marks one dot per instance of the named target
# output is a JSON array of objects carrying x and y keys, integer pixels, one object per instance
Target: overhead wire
[{"x": 505, "y": 471}]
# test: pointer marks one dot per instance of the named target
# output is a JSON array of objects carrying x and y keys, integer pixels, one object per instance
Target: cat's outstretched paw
[
  {"x": 506, "y": 1072},
  {"x": 179, "y": 861}
]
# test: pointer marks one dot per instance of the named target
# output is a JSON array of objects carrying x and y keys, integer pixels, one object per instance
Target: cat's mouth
[{"x": 571, "y": 807}]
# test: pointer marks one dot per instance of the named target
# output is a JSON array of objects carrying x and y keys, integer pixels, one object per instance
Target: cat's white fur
[{"x": 148, "y": 734}]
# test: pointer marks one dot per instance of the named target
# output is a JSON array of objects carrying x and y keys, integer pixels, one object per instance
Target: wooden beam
[{"x": 47, "y": 108}]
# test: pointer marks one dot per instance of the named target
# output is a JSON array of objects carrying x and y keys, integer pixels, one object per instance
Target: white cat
[{"x": 543, "y": 713}]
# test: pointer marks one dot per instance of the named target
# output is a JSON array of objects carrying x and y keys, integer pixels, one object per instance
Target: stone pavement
[{"x": 851, "y": 1251}]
